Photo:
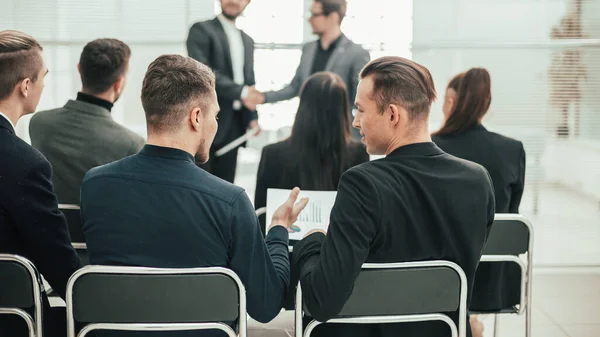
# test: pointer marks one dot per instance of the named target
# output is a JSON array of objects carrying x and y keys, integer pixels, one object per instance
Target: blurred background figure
[
  {"x": 229, "y": 51},
  {"x": 333, "y": 51}
]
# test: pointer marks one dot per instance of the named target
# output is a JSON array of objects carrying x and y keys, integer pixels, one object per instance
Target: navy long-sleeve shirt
[{"x": 158, "y": 209}]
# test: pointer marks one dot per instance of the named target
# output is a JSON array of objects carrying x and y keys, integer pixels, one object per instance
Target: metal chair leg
[{"x": 496, "y": 324}]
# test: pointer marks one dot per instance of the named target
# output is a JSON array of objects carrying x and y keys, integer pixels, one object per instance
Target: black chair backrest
[
  {"x": 16, "y": 285},
  {"x": 404, "y": 291},
  {"x": 73, "y": 216},
  {"x": 507, "y": 237},
  {"x": 154, "y": 298}
]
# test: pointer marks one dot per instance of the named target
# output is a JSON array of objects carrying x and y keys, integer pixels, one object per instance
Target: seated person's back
[
  {"x": 417, "y": 204},
  {"x": 158, "y": 209},
  {"x": 467, "y": 100},
  {"x": 82, "y": 134},
  {"x": 320, "y": 147},
  {"x": 31, "y": 225}
]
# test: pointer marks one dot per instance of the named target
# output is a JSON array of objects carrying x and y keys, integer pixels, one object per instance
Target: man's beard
[{"x": 230, "y": 17}]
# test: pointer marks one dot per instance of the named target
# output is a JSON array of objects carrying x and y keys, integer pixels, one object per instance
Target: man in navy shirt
[{"x": 158, "y": 209}]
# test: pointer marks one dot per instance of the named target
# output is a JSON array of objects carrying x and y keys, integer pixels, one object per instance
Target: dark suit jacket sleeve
[
  {"x": 250, "y": 115},
  {"x": 517, "y": 190},
  {"x": 263, "y": 268},
  {"x": 198, "y": 46},
  {"x": 359, "y": 62},
  {"x": 43, "y": 227},
  {"x": 289, "y": 91},
  {"x": 262, "y": 177},
  {"x": 329, "y": 265},
  {"x": 491, "y": 209}
]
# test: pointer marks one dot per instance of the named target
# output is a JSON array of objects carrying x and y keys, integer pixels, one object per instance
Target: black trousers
[{"x": 223, "y": 166}]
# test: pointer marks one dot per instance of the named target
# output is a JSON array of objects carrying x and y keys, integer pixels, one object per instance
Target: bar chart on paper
[{"x": 315, "y": 214}]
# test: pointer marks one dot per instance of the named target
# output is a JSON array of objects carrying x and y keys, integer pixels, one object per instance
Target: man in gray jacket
[
  {"x": 82, "y": 134},
  {"x": 333, "y": 51}
]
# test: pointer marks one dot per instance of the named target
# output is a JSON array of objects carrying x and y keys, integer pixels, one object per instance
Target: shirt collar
[
  {"x": 166, "y": 152},
  {"x": 333, "y": 44},
  {"x": 83, "y": 97},
  {"x": 9, "y": 121},
  {"x": 417, "y": 149},
  {"x": 226, "y": 23}
]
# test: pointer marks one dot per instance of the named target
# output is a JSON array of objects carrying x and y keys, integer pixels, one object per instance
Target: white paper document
[{"x": 315, "y": 215}]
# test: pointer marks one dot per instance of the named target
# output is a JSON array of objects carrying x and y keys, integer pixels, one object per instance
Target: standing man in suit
[
  {"x": 416, "y": 204},
  {"x": 30, "y": 223},
  {"x": 158, "y": 209},
  {"x": 219, "y": 44},
  {"x": 333, "y": 51},
  {"x": 82, "y": 134}
]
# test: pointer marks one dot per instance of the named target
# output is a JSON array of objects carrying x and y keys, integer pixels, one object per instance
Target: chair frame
[
  {"x": 526, "y": 273},
  {"x": 242, "y": 317},
  {"x": 76, "y": 245},
  {"x": 462, "y": 308},
  {"x": 34, "y": 324}
]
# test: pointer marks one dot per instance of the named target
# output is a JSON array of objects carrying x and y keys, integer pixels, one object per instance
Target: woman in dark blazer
[
  {"x": 468, "y": 98},
  {"x": 320, "y": 147}
]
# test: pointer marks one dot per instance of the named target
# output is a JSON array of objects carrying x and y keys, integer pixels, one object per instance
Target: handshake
[{"x": 253, "y": 98}]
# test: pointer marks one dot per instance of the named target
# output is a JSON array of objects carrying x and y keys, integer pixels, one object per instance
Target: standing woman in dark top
[
  {"x": 468, "y": 98},
  {"x": 320, "y": 147}
]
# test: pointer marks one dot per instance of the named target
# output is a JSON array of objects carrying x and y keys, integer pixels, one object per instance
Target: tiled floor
[{"x": 564, "y": 305}]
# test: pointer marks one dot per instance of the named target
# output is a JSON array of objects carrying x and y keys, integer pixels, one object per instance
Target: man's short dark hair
[
  {"x": 400, "y": 81},
  {"x": 334, "y": 6},
  {"x": 171, "y": 85},
  {"x": 19, "y": 59},
  {"x": 102, "y": 63}
]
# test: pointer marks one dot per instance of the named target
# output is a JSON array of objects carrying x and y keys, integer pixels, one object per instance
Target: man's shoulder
[
  {"x": 123, "y": 134},
  {"x": 205, "y": 24},
  {"x": 355, "y": 47},
  {"x": 193, "y": 179},
  {"x": 18, "y": 157},
  {"x": 46, "y": 117}
]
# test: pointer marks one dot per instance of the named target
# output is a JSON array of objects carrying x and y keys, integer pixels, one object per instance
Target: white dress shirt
[
  {"x": 8, "y": 119},
  {"x": 236, "y": 49}
]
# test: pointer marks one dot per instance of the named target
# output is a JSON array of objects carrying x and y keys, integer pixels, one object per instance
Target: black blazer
[
  {"x": 503, "y": 157},
  {"x": 30, "y": 223},
  {"x": 416, "y": 204},
  {"x": 207, "y": 43},
  {"x": 279, "y": 169}
]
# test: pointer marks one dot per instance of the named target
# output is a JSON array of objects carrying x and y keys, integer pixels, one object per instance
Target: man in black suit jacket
[
  {"x": 30, "y": 223},
  {"x": 158, "y": 209},
  {"x": 418, "y": 203},
  {"x": 230, "y": 53}
]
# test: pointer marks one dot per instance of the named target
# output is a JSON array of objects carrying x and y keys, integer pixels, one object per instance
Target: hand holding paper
[
  {"x": 287, "y": 214},
  {"x": 315, "y": 214}
]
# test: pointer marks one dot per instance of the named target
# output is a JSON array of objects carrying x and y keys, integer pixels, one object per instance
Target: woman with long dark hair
[
  {"x": 468, "y": 98},
  {"x": 320, "y": 147}
]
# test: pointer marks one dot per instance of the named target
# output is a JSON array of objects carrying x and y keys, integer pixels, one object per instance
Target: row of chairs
[
  {"x": 126, "y": 298},
  {"x": 123, "y": 298}
]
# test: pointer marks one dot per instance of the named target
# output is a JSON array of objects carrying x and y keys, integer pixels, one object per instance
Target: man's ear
[
  {"x": 23, "y": 87},
  {"x": 78, "y": 68},
  {"x": 119, "y": 85},
  {"x": 195, "y": 117},
  {"x": 394, "y": 113}
]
